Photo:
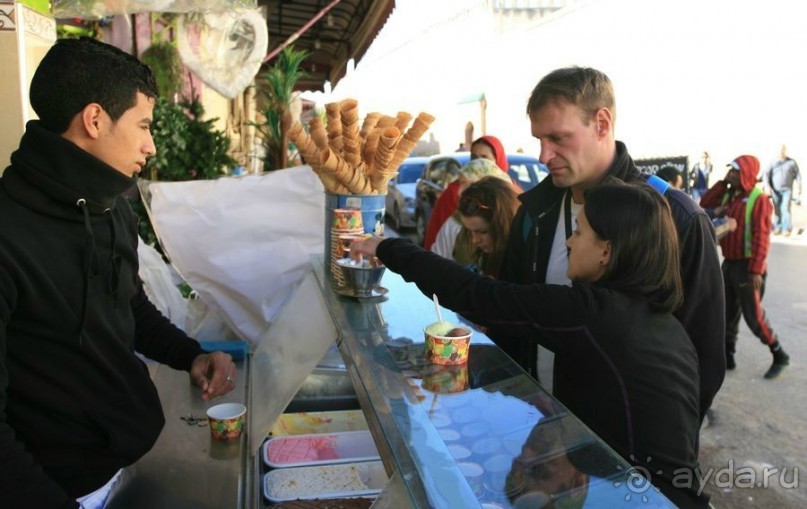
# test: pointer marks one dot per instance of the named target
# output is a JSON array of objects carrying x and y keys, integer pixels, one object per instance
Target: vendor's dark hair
[
  {"x": 77, "y": 72},
  {"x": 637, "y": 221}
]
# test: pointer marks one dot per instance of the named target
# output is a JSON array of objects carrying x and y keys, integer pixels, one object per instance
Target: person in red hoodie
[
  {"x": 745, "y": 251},
  {"x": 485, "y": 147}
]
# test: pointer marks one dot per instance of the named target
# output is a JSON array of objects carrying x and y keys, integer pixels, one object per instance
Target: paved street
[{"x": 759, "y": 424}]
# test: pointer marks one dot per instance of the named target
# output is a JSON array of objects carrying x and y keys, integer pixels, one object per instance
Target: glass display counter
[{"x": 483, "y": 434}]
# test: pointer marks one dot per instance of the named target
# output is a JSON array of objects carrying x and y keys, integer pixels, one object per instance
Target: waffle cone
[
  {"x": 384, "y": 152},
  {"x": 386, "y": 121},
  {"x": 318, "y": 133},
  {"x": 402, "y": 120},
  {"x": 370, "y": 122}
]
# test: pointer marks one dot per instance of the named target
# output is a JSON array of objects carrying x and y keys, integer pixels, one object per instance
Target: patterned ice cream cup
[
  {"x": 226, "y": 421},
  {"x": 444, "y": 349}
]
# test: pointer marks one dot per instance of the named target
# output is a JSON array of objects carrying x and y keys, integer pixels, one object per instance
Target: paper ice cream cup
[
  {"x": 347, "y": 219},
  {"x": 445, "y": 350},
  {"x": 226, "y": 421}
]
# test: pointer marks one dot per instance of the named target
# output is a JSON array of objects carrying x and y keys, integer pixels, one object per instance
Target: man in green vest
[{"x": 745, "y": 252}]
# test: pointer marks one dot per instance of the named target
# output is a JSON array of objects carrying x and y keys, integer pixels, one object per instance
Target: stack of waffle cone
[
  {"x": 353, "y": 158},
  {"x": 334, "y": 126},
  {"x": 381, "y": 173},
  {"x": 309, "y": 152},
  {"x": 351, "y": 143}
]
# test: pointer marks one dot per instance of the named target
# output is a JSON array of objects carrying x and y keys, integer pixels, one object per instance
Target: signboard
[{"x": 652, "y": 165}]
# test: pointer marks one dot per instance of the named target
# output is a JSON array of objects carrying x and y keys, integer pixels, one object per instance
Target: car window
[
  {"x": 409, "y": 173},
  {"x": 521, "y": 174},
  {"x": 526, "y": 171},
  {"x": 437, "y": 172},
  {"x": 452, "y": 168}
]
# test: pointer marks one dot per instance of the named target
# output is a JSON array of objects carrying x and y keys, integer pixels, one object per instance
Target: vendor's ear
[{"x": 92, "y": 117}]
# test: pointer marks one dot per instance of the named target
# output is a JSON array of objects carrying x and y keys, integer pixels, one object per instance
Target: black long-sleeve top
[
  {"x": 76, "y": 403},
  {"x": 629, "y": 373},
  {"x": 702, "y": 313}
]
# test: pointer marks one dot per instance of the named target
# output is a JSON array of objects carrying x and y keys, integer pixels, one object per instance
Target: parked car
[
  {"x": 400, "y": 203},
  {"x": 442, "y": 169}
]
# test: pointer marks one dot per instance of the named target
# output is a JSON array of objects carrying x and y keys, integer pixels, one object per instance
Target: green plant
[
  {"x": 275, "y": 90},
  {"x": 163, "y": 60},
  {"x": 188, "y": 148}
]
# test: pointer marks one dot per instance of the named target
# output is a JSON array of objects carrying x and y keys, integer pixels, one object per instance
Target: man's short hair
[
  {"x": 587, "y": 88},
  {"x": 78, "y": 72},
  {"x": 669, "y": 174}
]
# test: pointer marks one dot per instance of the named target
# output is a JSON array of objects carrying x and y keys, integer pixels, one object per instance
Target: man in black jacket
[
  {"x": 572, "y": 112},
  {"x": 77, "y": 405}
]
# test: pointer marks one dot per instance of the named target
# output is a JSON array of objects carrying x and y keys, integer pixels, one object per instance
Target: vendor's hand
[
  {"x": 364, "y": 248},
  {"x": 755, "y": 280},
  {"x": 214, "y": 373}
]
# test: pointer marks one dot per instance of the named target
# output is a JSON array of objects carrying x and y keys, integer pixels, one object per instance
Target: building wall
[{"x": 25, "y": 37}]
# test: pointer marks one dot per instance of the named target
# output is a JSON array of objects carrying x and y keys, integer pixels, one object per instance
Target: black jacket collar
[
  {"x": 51, "y": 174},
  {"x": 545, "y": 198}
]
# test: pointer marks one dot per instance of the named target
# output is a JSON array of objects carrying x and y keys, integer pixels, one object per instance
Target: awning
[{"x": 345, "y": 32}]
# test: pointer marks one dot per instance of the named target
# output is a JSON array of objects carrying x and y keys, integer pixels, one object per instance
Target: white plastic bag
[
  {"x": 243, "y": 243},
  {"x": 159, "y": 285}
]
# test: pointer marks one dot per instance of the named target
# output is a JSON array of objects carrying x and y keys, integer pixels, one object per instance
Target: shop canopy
[{"x": 343, "y": 32}]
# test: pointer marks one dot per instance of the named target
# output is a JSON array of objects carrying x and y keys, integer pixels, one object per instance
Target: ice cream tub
[
  {"x": 319, "y": 449},
  {"x": 306, "y": 423},
  {"x": 447, "y": 344},
  {"x": 360, "y": 479}
]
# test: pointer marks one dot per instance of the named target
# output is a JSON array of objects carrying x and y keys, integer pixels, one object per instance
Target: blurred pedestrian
[
  {"x": 572, "y": 112},
  {"x": 482, "y": 221},
  {"x": 486, "y": 147},
  {"x": 745, "y": 253},
  {"x": 778, "y": 179},
  {"x": 671, "y": 175},
  {"x": 699, "y": 176}
]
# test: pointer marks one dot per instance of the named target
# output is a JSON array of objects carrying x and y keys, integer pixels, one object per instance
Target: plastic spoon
[{"x": 437, "y": 308}]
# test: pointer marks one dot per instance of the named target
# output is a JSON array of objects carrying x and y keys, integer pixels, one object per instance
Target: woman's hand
[{"x": 364, "y": 248}]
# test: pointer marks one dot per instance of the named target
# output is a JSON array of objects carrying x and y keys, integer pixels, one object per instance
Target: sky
[{"x": 726, "y": 76}]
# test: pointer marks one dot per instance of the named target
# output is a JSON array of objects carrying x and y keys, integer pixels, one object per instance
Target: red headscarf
[{"x": 498, "y": 150}]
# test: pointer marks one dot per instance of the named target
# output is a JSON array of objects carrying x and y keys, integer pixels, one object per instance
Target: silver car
[{"x": 401, "y": 193}]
